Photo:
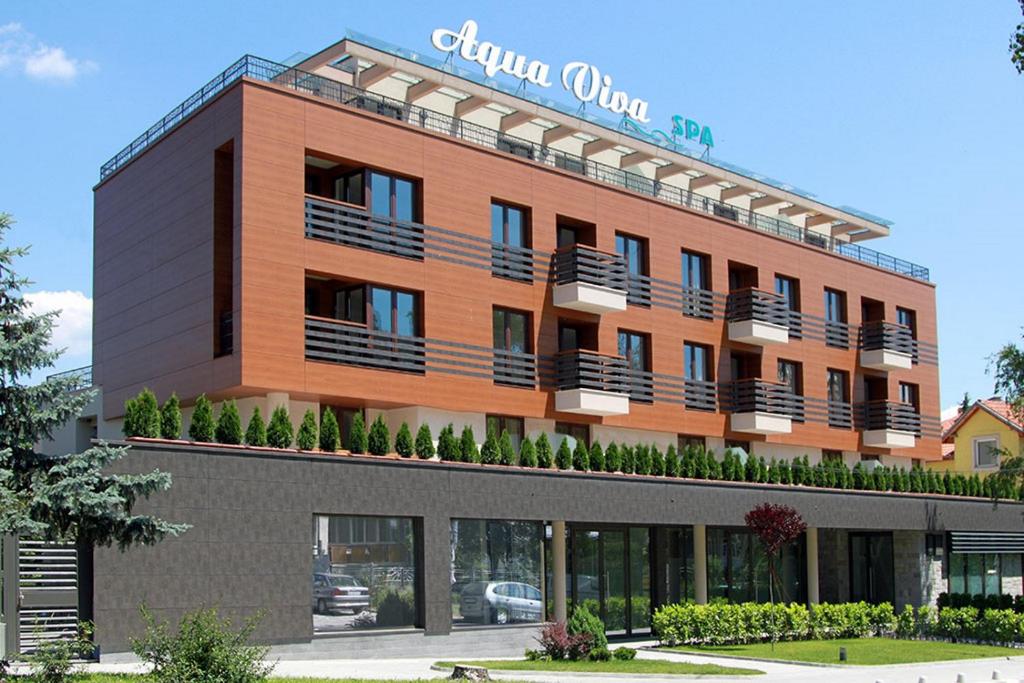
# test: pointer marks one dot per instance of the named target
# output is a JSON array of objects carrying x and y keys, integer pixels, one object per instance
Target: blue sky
[{"x": 908, "y": 110}]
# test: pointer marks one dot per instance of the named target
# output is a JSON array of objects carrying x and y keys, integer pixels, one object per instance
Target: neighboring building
[
  {"x": 976, "y": 440},
  {"x": 368, "y": 232}
]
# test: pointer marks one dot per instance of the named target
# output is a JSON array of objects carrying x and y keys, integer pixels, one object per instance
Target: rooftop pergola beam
[
  {"x": 597, "y": 146},
  {"x": 794, "y": 210},
  {"x": 377, "y": 72},
  {"x": 844, "y": 228},
  {"x": 820, "y": 219},
  {"x": 634, "y": 158},
  {"x": 557, "y": 133},
  {"x": 516, "y": 118},
  {"x": 668, "y": 171},
  {"x": 734, "y": 192},
  {"x": 703, "y": 181},
  {"x": 420, "y": 90},
  {"x": 469, "y": 104},
  {"x": 762, "y": 202}
]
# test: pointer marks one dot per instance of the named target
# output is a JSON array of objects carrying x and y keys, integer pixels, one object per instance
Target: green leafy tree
[
  {"x": 506, "y": 454},
  {"x": 613, "y": 458},
  {"x": 330, "y": 434},
  {"x": 785, "y": 472},
  {"x": 70, "y": 497},
  {"x": 308, "y": 433},
  {"x": 379, "y": 440},
  {"x": 170, "y": 418},
  {"x": 280, "y": 431},
  {"x": 201, "y": 426},
  {"x": 527, "y": 453},
  {"x": 774, "y": 477},
  {"x": 1017, "y": 45},
  {"x": 424, "y": 442},
  {"x": 447, "y": 446},
  {"x": 403, "y": 441},
  {"x": 256, "y": 432},
  {"x": 358, "y": 441},
  {"x": 489, "y": 451},
  {"x": 563, "y": 458},
  {"x": 597, "y": 463},
  {"x": 467, "y": 445},
  {"x": 1008, "y": 365},
  {"x": 545, "y": 457},
  {"x": 229, "y": 424}
]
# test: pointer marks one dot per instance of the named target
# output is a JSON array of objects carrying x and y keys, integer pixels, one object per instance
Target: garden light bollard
[
  {"x": 960, "y": 678},
  {"x": 842, "y": 654}
]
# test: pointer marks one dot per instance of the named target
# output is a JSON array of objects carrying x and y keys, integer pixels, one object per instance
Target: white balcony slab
[
  {"x": 889, "y": 438},
  {"x": 758, "y": 332},
  {"x": 591, "y": 402},
  {"x": 760, "y": 423},
  {"x": 590, "y": 298},
  {"x": 886, "y": 359}
]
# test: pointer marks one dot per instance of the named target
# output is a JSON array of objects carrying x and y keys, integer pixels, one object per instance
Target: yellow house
[{"x": 973, "y": 442}]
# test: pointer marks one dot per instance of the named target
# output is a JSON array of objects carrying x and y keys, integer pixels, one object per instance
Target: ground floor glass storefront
[{"x": 976, "y": 573}]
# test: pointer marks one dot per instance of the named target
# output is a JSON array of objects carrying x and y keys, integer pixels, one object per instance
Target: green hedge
[{"x": 724, "y": 623}]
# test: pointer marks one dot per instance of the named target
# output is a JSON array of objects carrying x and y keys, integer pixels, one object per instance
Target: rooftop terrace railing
[
  {"x": 260, "y": 69},
  {"x": 82, "y": 377}
]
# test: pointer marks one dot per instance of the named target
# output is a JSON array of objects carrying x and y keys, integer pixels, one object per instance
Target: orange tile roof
[{"x": 995, "y": 406}]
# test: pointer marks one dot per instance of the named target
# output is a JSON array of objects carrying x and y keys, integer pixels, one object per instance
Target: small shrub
[
  {"x": 544, "y": 454},
  {"x": 527, "y": 453},
  {"x": 330, "y": 434},
  {"x": 597, "y": 463},
  {"x": 403, "y": 441},
  {"x": 256, "y": 432},
  {"x": 583, "y": 621},
  {"x": 563, "y": 458},
  {"x": 657, "y": 462},
  {"x": 671, "y": 462},
  {"x": 396, "y": 608},
  {"x": 642, "y": 459},
  {"x": 424, "y": 442},
  {"x": 467, "y": 446},
  {"x": 130, "y": 423},
  {"x": 279, "y": 431},
  {"x": 148, "y": 415},
  {"x": 627, "y": 460},
  {"x": 229, "y": 424},
  {"x": 599, "y": 654},
  {"x": 53, "y": 660},
  {"x": 170, "y": 418},
  {"x": 447, "y": 446},
  {"x": 201, "y": 427},
  {"x": 535, "y": 655},
  {"x": 883, "y": 619},
  {"x": 906, "y": 624},
  {"x": 612, "y": 458},
  {"x": 308, "y": 433},
  {"x": 379, "y": 440},
  {"x": 506, "y": 454},
  {"x": 624, "y": 653},
  {"x": 580, "y": 457},
  {"x": 358, "y": 442},
  {"x": 489, "y": 451}
]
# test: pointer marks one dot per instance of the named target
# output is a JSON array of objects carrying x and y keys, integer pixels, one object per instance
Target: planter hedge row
[{"x": 144, "y": 418}]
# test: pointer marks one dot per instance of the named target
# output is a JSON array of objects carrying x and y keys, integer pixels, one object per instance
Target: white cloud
[
  {"x": 73, "y": 328},
  {"x": 20, "y": 50},
  {"x": 950, "y": 412}
]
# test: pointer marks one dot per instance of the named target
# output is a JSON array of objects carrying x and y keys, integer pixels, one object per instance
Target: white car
[{"x": 500, "y": 602}]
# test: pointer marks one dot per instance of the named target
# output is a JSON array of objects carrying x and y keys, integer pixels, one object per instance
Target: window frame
[
  {"x": 793, "y": 301},
  {"x": 644, "y": 337},
  {"x": 797, "y": 387},
  {"x": 708, "y": 351},
  {"x": 687, "y": 256},
  {"x": 566, "y": 428},
  {"x": 985, "y": 438},
  {"x": 839, "y": 305},
  {"x": 527, "y": 227},
  {"x": 506, "y": 313},
  {"x": 502, "y": 425},
  {"x": 395, "y": 291},
  {"x": 844, "y": 377},
  {"x": 914, "y": 391}
]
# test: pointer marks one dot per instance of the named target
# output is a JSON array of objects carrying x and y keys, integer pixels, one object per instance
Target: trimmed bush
[
  {"x": 467, "y": 446},
  {"x": 545, "y": 457},
  {"x": 149, "y": 414},
  {"x": 624, "y": 653},
  {"x": 256, "y": 432},
  {"x": 424, "y": 442},
  {"x": 308, "y": 433},
  {"x": 628, "y": 460},
  {"x": 906, "y": 626},
  {"x": 358, "y": 441},
  {"x": 489, "y": 451},
  {"x": 379, "y": 440},
  {"x": 883, "y": 619},
  {"x": 130, "y": 423},
  {"x": 671, "y": 462},
  {"x": 527, "y": 453},
  {"x": 580, "y": 457},
  {"x": 599, "y": 654},
  {"x": 583, "y": 621},
  {"x": 170, "y": 418},
  {"x": 612, "y": 458},
  {"x": 201, "y": 427},
  {"x": 330, "y": 434},
  {"x": 597, "y": 457},
  {"x": 563, "y": 458},
  {"x": 447, "y": 446},
  {"x": 657, "y": 462},
  {"x": 642, "y": 459},
  {"x": 403, "y": 441},
  {"x": 229, "y": 424},
  {"x": 279, "y": 431},
  {"x": 506, "y": 454}
]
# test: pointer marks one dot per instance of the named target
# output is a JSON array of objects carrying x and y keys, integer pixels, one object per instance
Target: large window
[
  {"x": 975, "y": 574},
  {"x": 635, "y": 348},
  {"x": 789, "y": 375},
  {"x": 738, "y": 568},
  {"x": 697, "y": 303},
  {"x": 789, "y": 289},
  {"x": 394, "y": 311},
  {"x": 510, "y": 242},
  {"x": 871, "y": 568},
  {"x": 511, "y": 330},
  {"x": 364, "y": 573},
  {"x": 507, "y": 423},
  {"x": 497, "y": 568},
  {"x": 835, "y": 306},
  {"x": 392, "y": 197},
  {"x": 986, "y": 451},
  {"x": 908, "y": 318},
  {"x": 634, "y": 251},
  {"x": 579, "y": 432},
  {"x": 910, "y": 395},
  {"x": 699, "y": 394}
]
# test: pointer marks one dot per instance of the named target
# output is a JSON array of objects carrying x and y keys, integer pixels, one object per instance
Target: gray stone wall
[
  {"x": 1011, "y": 571},
  {"x": 833, "y": 565}
]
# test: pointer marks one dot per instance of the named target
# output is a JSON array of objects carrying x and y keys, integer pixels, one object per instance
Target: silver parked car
[
  {"x": 336, "y": 592},
  {"x": 500, "y": 602}
]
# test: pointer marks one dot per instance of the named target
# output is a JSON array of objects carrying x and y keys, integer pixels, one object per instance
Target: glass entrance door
[
  {"x": 610, "y": 576},
  {"x": 871, "y": 568}
]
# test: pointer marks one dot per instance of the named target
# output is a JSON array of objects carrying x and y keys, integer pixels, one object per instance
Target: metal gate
[{"x": 45, "y": 600}]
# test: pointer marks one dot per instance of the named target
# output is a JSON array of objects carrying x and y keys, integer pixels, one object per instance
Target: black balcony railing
[
  {"x": 840, "y": 414},
  {"x": 580, "y": 369},
  {"x": 837, "y": 334},
  {"x": 82, "y": 377},
  {"x": 699, "y": 394},
  {"x": 761, "y": 396},
  {"x": 515, "y": 369},
  {"x": 514, "y": 263},
  {"x": 348, "y": 343},
  {"x": 878, "y": 334},
  {"x": 756, "y": 304},
  {"x": 260, "y": 69},
  {"x": 353, "y": 226},
  {"x": 581, "y": 263},
  {"x": 901, "y": 417},
  {"x": 698, "y": 303}
]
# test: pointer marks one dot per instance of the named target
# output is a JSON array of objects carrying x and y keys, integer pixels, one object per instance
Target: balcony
[
  {"x": 349, "y": 343},
  {"x": 761, "y": 407},
  {"x": 886, "y": 346},
  {"x": 354, "y": 226},
  {"x": 757, "y": 317},
  {"x": 589, "y": 280},
  {"x": 591, "y": 383},
  {"x": 888, "y": 424}
]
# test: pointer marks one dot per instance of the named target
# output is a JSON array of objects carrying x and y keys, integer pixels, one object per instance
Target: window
[
  {"x": 635, "y": 348},
  {"x": 736, "y": 444},
  {"x": 392, "y": 197},
  {"x": 838, "y": 386},
  {"x": 831, "y": 456},
  {"x": 789, "y": 289},
  {"x": 505, "y": 423},
  {"x": 836, "y": 332},
  {"x": 510, "y": 243},
  {"x": 975, "y": 574},
  {"x": 697, "y": 302},
  {"x": 907, "y": 318},
  {"x": 684, "y": 441},
  {"x": 738, "y": 569},
  {"x": 789, "y": 375},
  {"x": 934, "y": 545},
  {"x": 394, "y": 311},
  {"x": 364, "y": 573},
  {"x": 511, "y": 331},
  {"x": 697, "y": 362},
  {"x": 871, "y": 568},
  {"x": 909, "y": 395},
  {"x": 986, "y": 451},
  {"x": 579, "y": 432},
  {"x": 634, "y": 251}
]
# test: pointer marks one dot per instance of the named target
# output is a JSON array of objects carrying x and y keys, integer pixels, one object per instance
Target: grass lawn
[
  {"x": 864, "y": 651},
  {"x": 632, "y": 666},
  {"x": 121, "y": 678}
]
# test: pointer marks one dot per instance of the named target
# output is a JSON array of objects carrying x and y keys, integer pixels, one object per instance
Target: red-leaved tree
[{"x": 775, "y": 526}]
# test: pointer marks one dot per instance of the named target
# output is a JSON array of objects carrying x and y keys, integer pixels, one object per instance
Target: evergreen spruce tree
[
  {"x": 947, "y": 482},
  {"x": 714, "y": 467},
  {"x": 774, "y": 477},
  {"x": 330, "y": 434},
  {"x": 642, "y": 459},
  {"x": 940, "y": 482},
  {"x": 527, "y": 453},
  {"x": 358, "y": 441},
  {"x": 256, "y": 432},
  {"x": 785, "y": 472},
  {"x": 657, "y": 461},
  {"x": 545, "y": 457},
  {"x": 71, "y": 497},
  {"x": 424, "y": 442},
  {"x": 613, "y": 458},
  {"x": 700, "y": 464},
  {"x": 130, "y": 423},
  {"x": 597, "y": 460},
  {"x": 149, "y": 414},
  {"x": 581, "y": 457},
  {"x": 379, "y": 440},
  {"x": 727, "y": 465},
  {"x": 403, "y": 441},
  {"x": 671, "y": 461},
  {"x": 170, "y": 418},
  {"x": 201, "y": 425},
  {"x": 280, "y": 430},
  {"x": 468, "y": 447},
  {"x": 506, "y": 454},
  {"x": 628, "y": 459},
  {"x": 750, "y": 468},
  {"x": 308, "y": 434},
  {"x": 447, "y": 446},
  {"x": 563, "y": 457},
  {"x": 687, "y": 468},
  {"x": 229, "y": 424},
  {"x": 489, "y": 451}
]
